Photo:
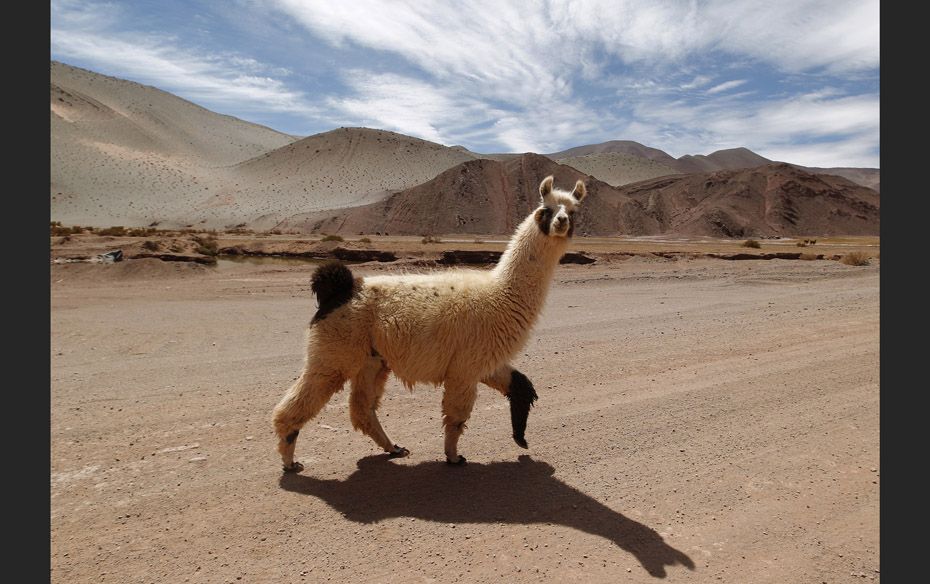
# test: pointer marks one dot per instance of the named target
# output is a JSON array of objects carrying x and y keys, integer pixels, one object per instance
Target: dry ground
[{"x": 699, "y": 421}]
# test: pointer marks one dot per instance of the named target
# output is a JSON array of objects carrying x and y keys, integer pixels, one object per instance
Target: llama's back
[{"x": 430, "y": 325}]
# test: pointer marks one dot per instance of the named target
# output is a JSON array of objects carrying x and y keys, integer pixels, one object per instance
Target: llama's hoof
[
  {"x": 460, "y": 462},
  {"x": 398, "y": 452},
  {"x": 295, "y": 467},
  {"x": 521, "y": 441}
]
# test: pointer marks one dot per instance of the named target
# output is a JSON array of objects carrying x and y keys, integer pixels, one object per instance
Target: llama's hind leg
[
  {"x": 520, "y": 393},
  {"x": 367, "y": 389},
  {"x": 303, "y": 401},
  {"x": 458, "y": 399}
]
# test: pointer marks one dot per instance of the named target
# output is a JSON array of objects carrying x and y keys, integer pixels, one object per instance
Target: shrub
[
  {"x": 364, "y": 240},
  {"x": 57, "y": 229},
  {"x": 855, "y": 258},
  {"x": 333, "y": 238},
  {"x": 151, "y": 245},
  {"x": 206, "y": 245},
  {"x": 117, "y": 230},
  {"x": 808, "y": 256},
  {"x": 431, "y": 239},
  {"x": 752, "y": 243}
]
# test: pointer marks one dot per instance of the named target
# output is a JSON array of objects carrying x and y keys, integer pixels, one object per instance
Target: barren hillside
[
  {"x": 618, "y": 168},
  {"x": 607, "y": 160},
  {"x": 774, "y": 199},
  {"x": 490, "y": 197},
  {"x": 731, "y": 159},
  {"x": 481, "y": 197},
  {"x": 620, "y": 146},
  {"x": 129, "y": 154},
  {"x": 337, "y": 169}
]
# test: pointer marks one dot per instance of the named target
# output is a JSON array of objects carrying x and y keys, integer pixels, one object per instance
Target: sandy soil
[{"x": 698, "y": 421}]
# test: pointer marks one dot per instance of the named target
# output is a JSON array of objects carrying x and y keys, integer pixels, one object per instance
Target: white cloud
[
  {"x": 698, "y": 81},
  {"x": 791, "y": 35},
  {"x": 407, "y": 105},
  {"x": 726, "y": 86},
  {"x": 448, "y": 115},
  {"x": 539, "y": 76},
  {"x": 769, "y": 127},
  {"x": 856, "y": 152},
  {"x": 508, "y": 50},
  {"x": 82, "y": 31}
]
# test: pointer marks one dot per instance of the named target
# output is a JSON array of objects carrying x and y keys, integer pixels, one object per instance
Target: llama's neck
[{"x": 526, "y": 268}]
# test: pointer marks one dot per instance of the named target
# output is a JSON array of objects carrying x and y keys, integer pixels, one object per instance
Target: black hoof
[
  {"x": 460, "y": 462},
  {"x": 521, "y": 441},
  {"x": 295, "y": 467},
  {"x": 398, "y": 452}
]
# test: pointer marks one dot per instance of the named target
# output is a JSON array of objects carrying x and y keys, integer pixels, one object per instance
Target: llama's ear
[
  {"x": 545, "y": 187},
  {"x": 580, "y": 192}
]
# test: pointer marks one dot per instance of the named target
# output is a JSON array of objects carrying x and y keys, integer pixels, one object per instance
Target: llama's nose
[{"x": 561, "y": 220}]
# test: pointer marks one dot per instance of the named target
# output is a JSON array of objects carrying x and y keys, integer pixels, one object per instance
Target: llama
[{"x": 455, "y": 328}]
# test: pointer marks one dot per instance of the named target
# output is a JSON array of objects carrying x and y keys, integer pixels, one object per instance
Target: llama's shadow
[{"x": 522, "y": 492}]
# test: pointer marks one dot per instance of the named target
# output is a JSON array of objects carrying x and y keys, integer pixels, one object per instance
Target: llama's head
[{"x": 556, "y": 213}]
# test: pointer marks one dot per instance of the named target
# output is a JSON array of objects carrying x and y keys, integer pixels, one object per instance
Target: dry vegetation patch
[{"x": 855, "y": 258}]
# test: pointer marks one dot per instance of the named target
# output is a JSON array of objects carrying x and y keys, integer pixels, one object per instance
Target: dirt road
[{"x": 698, "y": 421}]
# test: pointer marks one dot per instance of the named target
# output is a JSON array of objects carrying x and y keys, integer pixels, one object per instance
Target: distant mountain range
[
  {"x": 491, "y": 197},
  {"x": 599, "y": 158},
  {"x": 128, "y": 154}
]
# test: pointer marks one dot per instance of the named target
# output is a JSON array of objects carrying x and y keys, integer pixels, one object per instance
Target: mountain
[
  {"x": 618, "y": 168},
  {"x": 730, "y": 159},
  {"x": 341, "y": 168},
  {"x": 482, "y": 197},
  {"x": 129, "y": 154},
  {"x": 479, "y": 197},
  {"x": 618, "y": 146},
  {"x": 773, "y": 199},
  {"x": 607, "y": 159},
  {"x": 124, "y": 153},
  {"x": 868, "y": 177}
]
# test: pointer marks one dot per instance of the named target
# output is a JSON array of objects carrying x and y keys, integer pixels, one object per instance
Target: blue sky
[{"x": 795, "y": 80}]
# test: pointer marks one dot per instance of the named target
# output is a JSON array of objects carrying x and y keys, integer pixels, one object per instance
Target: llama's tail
[{"x": 333, "y": 285}]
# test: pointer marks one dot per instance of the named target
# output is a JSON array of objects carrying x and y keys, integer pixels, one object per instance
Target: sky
[{"x": 794, "y": 80}]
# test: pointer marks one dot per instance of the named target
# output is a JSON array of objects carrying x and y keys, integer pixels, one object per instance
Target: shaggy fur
[
  {"x": 333, "y": 285},
  {"x": 455, "y": 328}
]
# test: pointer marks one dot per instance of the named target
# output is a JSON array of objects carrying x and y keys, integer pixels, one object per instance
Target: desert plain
[{"x": 699, "y": 420}]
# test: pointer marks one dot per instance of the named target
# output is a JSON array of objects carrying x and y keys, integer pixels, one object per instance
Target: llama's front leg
[
  {"x": 303, "y": 401},
  {"x": 367, "y": 389},
  {"x": 520, "y": 393},
  {"x": 458, "y": 399}
]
